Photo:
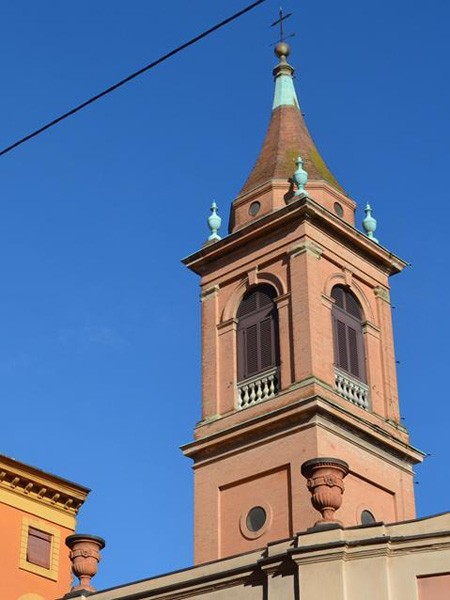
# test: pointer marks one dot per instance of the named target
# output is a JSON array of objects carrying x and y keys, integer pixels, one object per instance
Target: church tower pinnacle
[
  {"x": 298, "y": 360},
  {"x": 287, "y": 135},
  {"x": 287, "y": 138}
]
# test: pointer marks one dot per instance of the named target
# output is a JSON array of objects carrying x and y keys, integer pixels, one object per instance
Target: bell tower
[{"x": 297, "y": 352}]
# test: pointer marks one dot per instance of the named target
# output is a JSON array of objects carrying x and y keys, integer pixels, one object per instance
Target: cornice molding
[
  {"x": 40, "y": 487},
  {"x": 304, "y": 209}
]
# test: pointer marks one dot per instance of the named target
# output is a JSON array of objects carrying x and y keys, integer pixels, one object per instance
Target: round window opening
[
  {"x": 367, "y": 517},
  {"x": 256, "y": 518},
  {"x": 338, "y": 209},
  {"x": 254, "y": 208}
]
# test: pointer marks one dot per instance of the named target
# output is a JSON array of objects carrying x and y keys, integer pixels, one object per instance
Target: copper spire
[{"x": 287, "y": 135}]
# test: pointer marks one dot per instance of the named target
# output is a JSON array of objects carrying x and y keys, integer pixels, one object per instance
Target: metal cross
[{"x": 280, "y": 22}]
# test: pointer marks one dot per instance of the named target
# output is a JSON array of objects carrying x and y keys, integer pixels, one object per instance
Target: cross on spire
[{"x": 280, "y": 22}]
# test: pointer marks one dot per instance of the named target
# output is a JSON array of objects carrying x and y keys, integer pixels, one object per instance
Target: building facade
[
  {"x": 37, "y": 512},
  {"x": 298, "y": 353}
]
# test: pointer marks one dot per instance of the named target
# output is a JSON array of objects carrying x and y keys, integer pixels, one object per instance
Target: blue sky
[{"x": 99, "y": 321}]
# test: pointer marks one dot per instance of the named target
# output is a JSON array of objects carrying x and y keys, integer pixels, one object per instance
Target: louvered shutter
[
  {"x": 353, "y": 351},
  {"x": 341, "y": 344},
  {"x": 241, "y": 354},
  {"x": 39, "y": 547},
  {"x": 348, "y": 335},
  {"x": 251, "y": 350},
  {"x": 248, "y": 305},
  {"x": 257, "y": 333},
  {"x": 266, "y": 354}
]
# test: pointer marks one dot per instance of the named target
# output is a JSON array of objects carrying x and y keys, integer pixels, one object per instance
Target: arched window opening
[
  {"x": 348, "y": 333},
  {"x": 367, "y": 518},
  {"x": 257, "y": 332}
]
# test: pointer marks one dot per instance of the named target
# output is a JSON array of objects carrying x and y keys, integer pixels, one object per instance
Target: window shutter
[
  {"x": 251, "y": 350},
  {"x": 348, "y": 333},
  {"x": 353, "y": 351},
  {"x": 266, "y": 344},
  {"x": 352, "y": 307},
  {"x": 264, "y": 299},
  {"x": 38, "y": 547},
  {"x": 241, "y": 354},
  {"x": 337, "y": 293},
  {"x": 248, "y": 305},
  {"x": 257, "y": 333},
  {"x": 341, "y": 344}
]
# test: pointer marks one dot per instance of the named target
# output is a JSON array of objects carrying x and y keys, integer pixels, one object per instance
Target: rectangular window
[{"x": 39, "y": 546}]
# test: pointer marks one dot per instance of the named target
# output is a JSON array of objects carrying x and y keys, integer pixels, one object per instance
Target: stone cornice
[
  {"x": 300, "y": 414},
  {"x": 383, "y": 542},
  {"x": 297, "y": 212},
  {"x": 44, "y": 488}
]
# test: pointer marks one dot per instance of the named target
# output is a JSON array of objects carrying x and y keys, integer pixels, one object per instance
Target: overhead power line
[{"x": 122, "y": 82}]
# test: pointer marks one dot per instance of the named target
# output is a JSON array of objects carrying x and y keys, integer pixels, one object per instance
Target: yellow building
[{"x": 37, "y": 512}]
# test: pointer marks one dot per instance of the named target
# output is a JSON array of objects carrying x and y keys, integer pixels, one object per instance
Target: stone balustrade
[
  {"x": 351, "y": 389},
  {"x": 257, "y": 389}
]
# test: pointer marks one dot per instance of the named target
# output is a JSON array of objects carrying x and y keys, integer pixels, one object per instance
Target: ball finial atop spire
[{"x": 282, "y": 50}]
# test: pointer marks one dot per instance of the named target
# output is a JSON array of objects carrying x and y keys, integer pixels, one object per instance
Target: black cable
[{"x": 130, "y": 77}]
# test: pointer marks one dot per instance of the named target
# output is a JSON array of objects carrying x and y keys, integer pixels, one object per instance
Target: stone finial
[
  {"x": 85, "y": 556},
  {"x": 214, "y": 223},
  {"x": 325, "y": 482},
  {"x": 370, "y": 224},
  {"x": 300, "y": 177}
]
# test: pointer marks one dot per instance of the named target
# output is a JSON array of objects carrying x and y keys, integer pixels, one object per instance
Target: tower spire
[{"x": 287, "y": 135}]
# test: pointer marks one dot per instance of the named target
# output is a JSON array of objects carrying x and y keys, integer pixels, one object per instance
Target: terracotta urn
[
  {"x": 325, "y": 482},
  {"x": 85, "y": 556}
]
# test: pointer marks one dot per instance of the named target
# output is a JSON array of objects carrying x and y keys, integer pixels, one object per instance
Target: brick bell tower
[{"x": 297, "y": 353}]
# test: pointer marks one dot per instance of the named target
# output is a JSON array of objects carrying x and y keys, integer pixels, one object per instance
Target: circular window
[
  {"x": 338, "y": 209},
  {"x": 256, "y": 519},
  {"x": 367, "y": 517},
  {"x": 254, "y": 208}
]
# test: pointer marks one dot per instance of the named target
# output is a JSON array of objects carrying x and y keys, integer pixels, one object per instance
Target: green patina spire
[
  {"x": 285, "y": 94},
  {"x": 287, "y": 135}
]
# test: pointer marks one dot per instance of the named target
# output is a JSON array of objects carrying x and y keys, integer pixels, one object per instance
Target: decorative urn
[
  {"x": 325, "y": 482},
  {"x": 370, "y": 223},
  {"x": 214, "y": 223},
  {"x": 85, "y": 556},
  {"x": 300, "y": 177}
]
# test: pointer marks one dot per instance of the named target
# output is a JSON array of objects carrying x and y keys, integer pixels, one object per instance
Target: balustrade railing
[
  {"x": 257, "y": 389},
  {"x": 351, "y": 389}
]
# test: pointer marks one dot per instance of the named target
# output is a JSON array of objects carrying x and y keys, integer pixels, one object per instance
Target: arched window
[
  {"x": 257, "y": 332},
  {"x": 347, "y": 332}
]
